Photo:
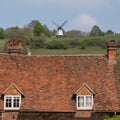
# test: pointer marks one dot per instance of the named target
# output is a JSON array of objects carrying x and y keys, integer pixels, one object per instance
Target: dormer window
[
  {"x": 84, "y": 102},
  {"x": 84, "y": 98},
  {"x": 12, "y": 98},
  {"x": 12, "y": 101}
]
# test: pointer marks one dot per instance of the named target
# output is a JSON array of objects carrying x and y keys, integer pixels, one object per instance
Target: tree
[
  {"x": 46, "y": 31},
  {"x": 12, "y": 32},
  {"x": 96, "y": 31},
  {"x": 53, "y": 32},
  {"x": 31, "y": 25},
  {"x": 75, "y": 33},
  {"x": 2, "y": 34},
  {"x": 38, "y": 29},
  {"x": 109, "y": 32}
]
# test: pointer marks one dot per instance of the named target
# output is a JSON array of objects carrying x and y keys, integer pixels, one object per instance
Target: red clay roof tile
[{"x": 49, "y": 82}]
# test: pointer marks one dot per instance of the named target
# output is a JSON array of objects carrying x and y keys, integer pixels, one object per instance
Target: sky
[{"x": 80, "y": 14}]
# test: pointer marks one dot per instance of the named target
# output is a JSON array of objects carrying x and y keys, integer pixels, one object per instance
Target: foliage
[
  {"x": 116, "y": 117},
  {"x": 46, "y": 31},
  {"x": 2, "y": 45},
  {"x": 2, "y": 33},
  {"x": 56, "y": 44},
  {"x": 39, "y": 44},
  {"x": 109, "y": 32},
  {"x": 75, "y": 43},
  {"x": 31, "y": 25},
  {"x": 94, "y": 42},
  {"x": 96, "y": 31},
  {"x": 74, "y": 33},
  {"x": 82, "y": 47},
  {"x": 53, "y": 32},
  {"x": 105, "y": 117},
  {"x": 12, "y": 32},
  {"x": 38, "y": 29},
  {"x": 36, "y": 43}
]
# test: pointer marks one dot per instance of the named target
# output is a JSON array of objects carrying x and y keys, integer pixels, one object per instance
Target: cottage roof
[{"x": 49, "y": 83}]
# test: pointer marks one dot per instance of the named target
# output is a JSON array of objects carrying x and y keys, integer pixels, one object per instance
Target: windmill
[{"x": 60, "y": 31}]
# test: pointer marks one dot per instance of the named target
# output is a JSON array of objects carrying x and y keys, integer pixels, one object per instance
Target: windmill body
[{"x": 60, "y": 32}]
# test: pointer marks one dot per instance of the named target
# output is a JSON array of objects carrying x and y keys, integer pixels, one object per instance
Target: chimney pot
[
  {"x": 15, "y": 47},
  {"x": 112, "y": 50}
]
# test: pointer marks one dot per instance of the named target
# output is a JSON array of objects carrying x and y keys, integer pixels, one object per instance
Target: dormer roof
[
  {"x": 12, "y": 90},
  {"x": 85, "y": 90}
]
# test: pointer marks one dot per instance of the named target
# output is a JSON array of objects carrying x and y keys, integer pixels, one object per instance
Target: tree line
[
  {"x": 34, "y": 34},
  {"x": 35, "y": 28}
]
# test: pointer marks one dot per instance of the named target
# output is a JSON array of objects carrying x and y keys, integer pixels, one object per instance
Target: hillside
[
  {"x": 63, "y": 46},
  {"x": 81, "y": 45}
]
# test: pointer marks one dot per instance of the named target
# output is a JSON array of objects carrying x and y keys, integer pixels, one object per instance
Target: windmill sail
[
  {"x": 55, "y": 24},
  {"x": 64, "y": 23}
]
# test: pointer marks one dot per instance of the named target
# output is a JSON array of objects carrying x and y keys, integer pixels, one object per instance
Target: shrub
[
  {"x": 75, "y": 43},
  {"x": 118, "y": 44},
  {"x": 116, "y": 117},
  {"x": 82, "y": 48},
  {"x": 94, "y": 43},
  {"x": 105, "y": 117},
  {"x": 55, "y": 44},
  {"x": 37, "y": 43}
]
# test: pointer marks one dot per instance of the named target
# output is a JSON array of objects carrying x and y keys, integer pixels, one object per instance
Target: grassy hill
[
  {"x": 82, "y": 45},
  {"x": 66, "y": 46},
  {"x": 89, "y": 50}
]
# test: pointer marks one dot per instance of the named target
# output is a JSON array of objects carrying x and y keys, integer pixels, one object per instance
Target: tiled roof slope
[{"x": 50, "y": 82}]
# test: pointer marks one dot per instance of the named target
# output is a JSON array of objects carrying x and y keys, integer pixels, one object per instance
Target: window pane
[
  {"x": 80, "y": 101},
  {"x": 88, "y": 101},
  {"x": 16, "y": 102},
  {"x": 8, "y": 101}
]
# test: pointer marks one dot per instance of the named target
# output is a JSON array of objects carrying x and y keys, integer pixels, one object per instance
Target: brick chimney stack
[
  {"x": 112, "y": 51},
  {"x": 15, "y": 47}
]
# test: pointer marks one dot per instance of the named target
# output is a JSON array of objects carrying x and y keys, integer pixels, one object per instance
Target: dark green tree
[
  {"x": 2, "y": 34},
  {"x": 38, "y": 29},
  {"x": 96, "y": 31},
  {"x": 46, "y": 31},
  {"x": 109, "y": 32}
]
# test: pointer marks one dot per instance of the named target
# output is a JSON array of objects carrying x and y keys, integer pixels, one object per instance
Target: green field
[{"x": 89, "y": 50}]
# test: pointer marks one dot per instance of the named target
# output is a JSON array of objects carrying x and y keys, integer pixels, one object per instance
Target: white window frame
[
  {"x": 11, "y": 99},
  {"x": 84, "y": 102}
]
